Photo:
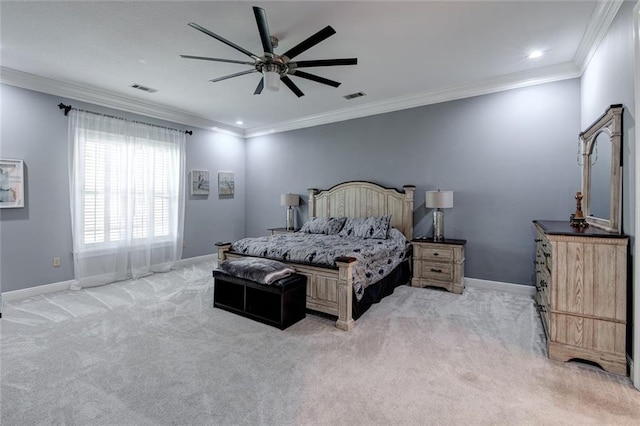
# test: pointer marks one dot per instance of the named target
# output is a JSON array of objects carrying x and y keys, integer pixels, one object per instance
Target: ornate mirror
[{"x": 601, "y": 170}]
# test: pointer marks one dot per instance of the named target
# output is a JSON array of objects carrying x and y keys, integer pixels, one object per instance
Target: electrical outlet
[{"x": 56, "y": 262}]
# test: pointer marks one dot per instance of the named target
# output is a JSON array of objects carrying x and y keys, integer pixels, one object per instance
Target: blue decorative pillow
[
  {"x": 366, "y": 227},
  {"x": 323, "y": 225}
]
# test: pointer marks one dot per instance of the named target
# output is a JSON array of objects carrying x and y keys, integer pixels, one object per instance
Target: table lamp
[
  {"x": 438, "y": 200},
  {"x": 289, "y": 200}
]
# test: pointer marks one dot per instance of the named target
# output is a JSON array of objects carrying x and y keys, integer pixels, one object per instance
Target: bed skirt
[{"x": 374, "y": 293}]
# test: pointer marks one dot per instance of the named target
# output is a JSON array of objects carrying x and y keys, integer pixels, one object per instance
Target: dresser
[
  {"x": 438, "y": 264},
  {"x": 581, "y": 292}
]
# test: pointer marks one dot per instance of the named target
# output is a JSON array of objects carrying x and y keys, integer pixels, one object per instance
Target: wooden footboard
[{"x": 328, "y": 290}]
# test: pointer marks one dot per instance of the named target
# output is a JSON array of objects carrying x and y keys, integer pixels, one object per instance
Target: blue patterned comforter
[{"x": 376, "y": 258}]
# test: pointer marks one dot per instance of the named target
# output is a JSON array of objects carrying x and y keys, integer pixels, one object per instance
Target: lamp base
[
  {"x": 290, "y": 219},
  {"x": 438, "y": 225}
]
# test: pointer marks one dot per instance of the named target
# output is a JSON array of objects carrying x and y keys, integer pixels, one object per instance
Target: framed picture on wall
[
  {"x": 200, "y": 182},
  {"x": 11, "y": 183},
  {"x": 225, "y": 183}
]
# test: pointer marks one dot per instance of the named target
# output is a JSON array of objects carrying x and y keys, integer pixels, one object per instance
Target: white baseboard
[
  {"x": 65, "y": 285},
  {"x": 191, "y": 260},
  {"x": 38, "y": 290},
  {"x": 526, "y": 290}
]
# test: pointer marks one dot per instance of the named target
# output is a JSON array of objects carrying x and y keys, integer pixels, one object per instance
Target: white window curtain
[{"x": 127, "y": 197}]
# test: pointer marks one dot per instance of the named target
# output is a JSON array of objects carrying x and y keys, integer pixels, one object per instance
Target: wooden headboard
[{"x": 363, "y": 199}]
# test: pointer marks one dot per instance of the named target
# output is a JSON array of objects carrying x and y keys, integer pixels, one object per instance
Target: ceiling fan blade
[
  {"x": 263, "y": 28},
  {"x": 324, "y": 63},
  {"x": 233, "y": 75},
  {"x": 291, "y": 85},
  {"x": 260, "y": 87},
  {"x": 323, "y": 34},
  {"x": 204, "y": 58},
  {"x": 222, "y": 39},
  {"x": 315, "y": 78}
]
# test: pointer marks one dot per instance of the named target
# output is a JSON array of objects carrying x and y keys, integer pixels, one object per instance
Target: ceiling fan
[{"x": 274, "y": 67}]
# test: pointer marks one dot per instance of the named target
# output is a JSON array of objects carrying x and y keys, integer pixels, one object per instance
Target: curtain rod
[{"x": 68, "y": 108}]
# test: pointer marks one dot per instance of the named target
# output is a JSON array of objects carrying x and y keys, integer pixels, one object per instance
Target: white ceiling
[{"x": 409, "y": 54}]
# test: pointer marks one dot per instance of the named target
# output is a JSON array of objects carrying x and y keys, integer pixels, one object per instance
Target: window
[
  {"x": 111, "y": 193},
  {"x": 127, "y": 196}
]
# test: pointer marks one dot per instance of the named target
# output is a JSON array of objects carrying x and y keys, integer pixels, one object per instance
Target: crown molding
[
  {"x": 601, "y": 19},
  {"x": 511, "y": 81},
  {"x": 98, "y": 97}
]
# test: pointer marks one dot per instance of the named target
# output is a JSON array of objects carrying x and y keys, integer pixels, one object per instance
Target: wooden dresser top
[{"x": 561, "y": 227}]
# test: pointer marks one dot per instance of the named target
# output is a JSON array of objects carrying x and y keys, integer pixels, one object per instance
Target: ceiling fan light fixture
[{"x": 271, "y": 80}]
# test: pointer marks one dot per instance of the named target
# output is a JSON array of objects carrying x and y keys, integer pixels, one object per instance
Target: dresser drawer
[
  {"x": 443, "y": 254},
  {"x": 436, "y": 271}
]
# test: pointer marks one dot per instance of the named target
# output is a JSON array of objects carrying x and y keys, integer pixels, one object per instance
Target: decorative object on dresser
[
  {"x": 438, "y": 264},
  {"x": 438, "y": 200},
  {"x": 581, "y": 290},
  {"x": 577, "y": 219},
  {"x": 290, "y": 200},
  {"x": 602, "y": 171}
]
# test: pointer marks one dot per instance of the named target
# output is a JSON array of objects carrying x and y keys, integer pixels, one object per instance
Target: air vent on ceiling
[
  {"x": 143, "y": 88},
  {"x": 354, "y": 95}
]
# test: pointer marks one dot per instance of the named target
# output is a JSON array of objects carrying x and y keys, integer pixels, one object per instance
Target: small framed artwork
[
  {"x": 11, "y": 183},
  {"x": 200, "y": 182},
  {"x": 225, "y": 183}
]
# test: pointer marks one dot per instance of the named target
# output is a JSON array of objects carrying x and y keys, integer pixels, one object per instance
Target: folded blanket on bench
[{"x": 264, "y": 271}]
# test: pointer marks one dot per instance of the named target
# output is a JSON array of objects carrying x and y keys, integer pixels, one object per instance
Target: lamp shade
[
  {"x": 438, "y": 199},
  {"x": 289, "y": 200}
]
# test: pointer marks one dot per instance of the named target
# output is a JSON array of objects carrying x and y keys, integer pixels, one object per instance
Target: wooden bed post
[
  {"x": 223, "y": 248},
  {"x": 345, "y": 293},
  {"x": 312, "y": 206},
  {"x": 408, "y": 209}
]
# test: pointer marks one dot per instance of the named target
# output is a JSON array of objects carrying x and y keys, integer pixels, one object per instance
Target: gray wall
[
  {"x": 509, "y": 157},
  {"x": 35, "y": 130},
  {"x": 607, "y": 80}
]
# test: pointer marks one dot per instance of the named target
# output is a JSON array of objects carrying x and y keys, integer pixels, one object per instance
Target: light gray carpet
[{"x": 155, "y": 352}]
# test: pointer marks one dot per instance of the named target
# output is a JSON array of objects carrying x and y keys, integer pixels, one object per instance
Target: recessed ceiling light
[
  {"x": 239, "y": 123},
  {"x": 535, "y": 54}
]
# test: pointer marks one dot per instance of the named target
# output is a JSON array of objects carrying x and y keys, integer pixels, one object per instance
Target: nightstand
[
  {"x": 438, "y": 264},
  {"x": 274, "y": 231}
]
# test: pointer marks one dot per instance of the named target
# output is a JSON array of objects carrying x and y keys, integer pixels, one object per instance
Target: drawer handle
[
  {"x": 537, "y": 240},
  {"x": 543, "y": 283},
  {"x": 547, "y": 254},
  {"x": 436, "y": 254},
  {"x": 436, "y": 270}
]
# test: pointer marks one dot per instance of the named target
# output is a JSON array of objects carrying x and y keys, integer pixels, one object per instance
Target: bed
[{"x": 330, "y": 288}]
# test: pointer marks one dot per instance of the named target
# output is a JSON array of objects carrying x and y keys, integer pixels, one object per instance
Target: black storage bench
[{"x": 279, "y": 304}]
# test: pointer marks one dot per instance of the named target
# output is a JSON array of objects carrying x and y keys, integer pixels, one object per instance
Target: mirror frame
[{"x": 610, "y": 123}]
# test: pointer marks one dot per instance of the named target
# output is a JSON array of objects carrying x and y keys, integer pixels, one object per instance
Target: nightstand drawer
[
  {"x": 436, "y": 271},
  {"x": 443, "y": 254}
]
